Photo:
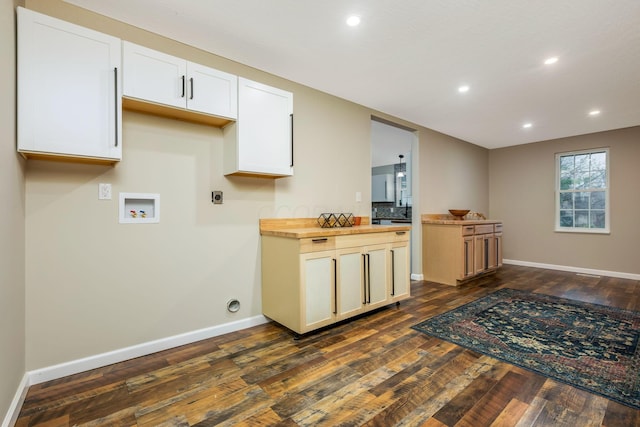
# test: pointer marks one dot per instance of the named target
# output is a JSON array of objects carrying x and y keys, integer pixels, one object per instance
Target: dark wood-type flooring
[{"x": 373, "y": 371}]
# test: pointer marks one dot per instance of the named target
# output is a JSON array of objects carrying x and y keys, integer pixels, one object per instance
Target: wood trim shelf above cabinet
[
  {"x": 170, "y": 112},
  {"x": 67, "y": 158}
]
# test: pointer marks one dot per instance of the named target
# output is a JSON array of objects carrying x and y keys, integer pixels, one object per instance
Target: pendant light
[{"x": 400, "y": 171}]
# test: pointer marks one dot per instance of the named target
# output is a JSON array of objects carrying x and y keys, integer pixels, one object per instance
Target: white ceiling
[{"x": 408, "y": 57}]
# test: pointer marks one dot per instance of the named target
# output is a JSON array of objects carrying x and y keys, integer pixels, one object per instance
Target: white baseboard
[
  {"x": 590, "y": 271},
  {"x": 16, "y": 404},
  {"x": 80, "y": 365},
  {"x": 416, "y": 276}
]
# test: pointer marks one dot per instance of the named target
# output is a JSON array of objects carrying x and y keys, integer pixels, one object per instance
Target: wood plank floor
[{"x": 373, "y": 371}]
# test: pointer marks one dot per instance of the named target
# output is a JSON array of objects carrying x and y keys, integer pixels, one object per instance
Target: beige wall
[
  {"x": 453, "y": 174},
  {"x": 522, "y": 180},
  {"x": 12, "y": 286},
  {"x": 94, "y": 285}
]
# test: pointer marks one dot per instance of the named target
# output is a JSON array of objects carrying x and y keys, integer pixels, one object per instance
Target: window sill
[{"x": 583, "y": 230}]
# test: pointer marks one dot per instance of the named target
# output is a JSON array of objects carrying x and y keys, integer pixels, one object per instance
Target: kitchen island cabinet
[
  {"x": 455, "y": 251},
  {"x": 314, "y": 277}
]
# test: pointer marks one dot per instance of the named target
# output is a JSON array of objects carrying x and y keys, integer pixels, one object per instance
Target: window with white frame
[{"x": 582, "y": 191}]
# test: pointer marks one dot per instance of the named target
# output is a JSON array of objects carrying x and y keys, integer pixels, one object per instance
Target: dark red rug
[{"x": 588, "y": 346}]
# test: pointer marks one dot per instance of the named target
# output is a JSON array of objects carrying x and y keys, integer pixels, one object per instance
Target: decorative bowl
[{"x": 459, "y": 213}]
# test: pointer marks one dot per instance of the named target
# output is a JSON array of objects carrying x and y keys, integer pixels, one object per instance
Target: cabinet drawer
[
  {"x": 366, "y": 239},
  {"x": 468, "y": 230},
  {"x": 484, "y": 229},
  {"x": 497, "y": 228},
  {"x": 401, "y": 236},
  {"x": 316, "y": 244}
]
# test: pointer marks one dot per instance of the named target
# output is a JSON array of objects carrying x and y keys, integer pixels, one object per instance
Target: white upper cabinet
[
  {"x": 382, "y": 188},
  {"x": 69, "y": 91},
  {"x": 159, "y": 78},
  {"x": 211, "y": 91},
  {"x": 260, "y": 143},
  {"x": 154, "y": 76}
]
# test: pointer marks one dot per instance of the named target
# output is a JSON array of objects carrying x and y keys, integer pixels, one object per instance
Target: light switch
[
  {"x": 104, "y": 191},
  {"x": 358, "y": 196}
]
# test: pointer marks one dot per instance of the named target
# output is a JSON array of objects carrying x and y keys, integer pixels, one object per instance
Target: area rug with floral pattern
[{"x": 589, "y": 346}]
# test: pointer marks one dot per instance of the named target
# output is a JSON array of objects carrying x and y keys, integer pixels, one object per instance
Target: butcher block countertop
[
  {"x": 301, "y": 228},
  {"x": 449, "y": 220}
]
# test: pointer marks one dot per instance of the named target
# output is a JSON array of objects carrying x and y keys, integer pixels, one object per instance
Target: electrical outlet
[
  {"x": 104, "y": 191},
  {"x": 216, "y": 197}
]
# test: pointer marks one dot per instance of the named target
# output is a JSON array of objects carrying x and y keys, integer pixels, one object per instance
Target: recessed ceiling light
[
  {"x": 463, "y": 89},
  {"x": 527, "y": 125},
  {"x": 551, "y": 60},
  {"x": 594, "y": 112},
  {"x": 353, "y": 21}
]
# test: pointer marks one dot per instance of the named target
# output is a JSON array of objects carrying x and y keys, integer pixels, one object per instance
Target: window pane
[
  {"x": 566, "y": 164},
  {"x": 581, "y": 180},
  {"x": 581, "y": 219},
  {"x": 566, "y": 218},
  {"x": 598, "y": 200},
  {"x": 597, "y": 219},
  {"x": 566, "y": 182},
  {"x": 598, "y": 179},
  {"x": 566, "y": 200},
  {"x": 582, "y": 162},
  {"x": 581, "y": 200},
  {"x": 599, "y": 161}
]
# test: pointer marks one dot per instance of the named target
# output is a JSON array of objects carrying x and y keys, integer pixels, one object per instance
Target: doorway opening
[{"x": 391, "y": 173}]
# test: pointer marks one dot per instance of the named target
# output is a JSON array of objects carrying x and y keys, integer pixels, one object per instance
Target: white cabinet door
[
  {"x": 400, "y": 277},
  {"x": 382, "y": 188},
  {"x": 154, "y": 76},
  {"x": 159, "y": 78},
  {"x": 261, "y": 142},
  {"x": 350, "y": 287},
  {"x": 69, "y": 91},
  {"x": 318, "y": 274},
  {"x": 211, "y": 91},
  {"x": 377, "y": 275}
]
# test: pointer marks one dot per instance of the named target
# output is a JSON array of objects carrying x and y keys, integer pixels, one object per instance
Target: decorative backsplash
[{"x": 384, "y": 210}]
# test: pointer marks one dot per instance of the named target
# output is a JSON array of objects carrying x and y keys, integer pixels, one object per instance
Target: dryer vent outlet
[{"x": 233, "y": 305}]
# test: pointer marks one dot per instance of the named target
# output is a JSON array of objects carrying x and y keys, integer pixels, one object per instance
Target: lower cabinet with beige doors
[
  {"x": 455, "y": 251},
  {"x": 311, "y": 282}
]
